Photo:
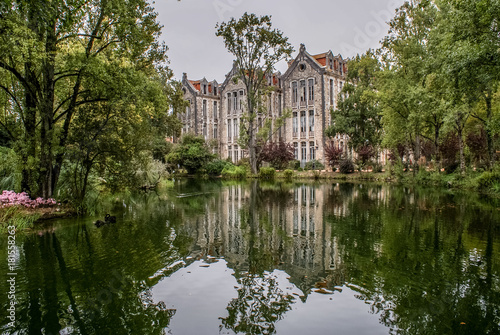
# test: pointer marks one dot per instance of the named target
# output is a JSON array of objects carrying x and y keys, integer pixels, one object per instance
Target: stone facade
[{"x": 308, "y": 90}]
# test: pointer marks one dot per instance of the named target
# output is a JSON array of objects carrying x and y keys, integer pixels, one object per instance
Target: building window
[
  {"x": 303, "y": 91},
  {"x": 311, "y": 89},
  {"x": 229, "y": 103},
  {"x": 241, "y": 100},
  {"x": 215, "y": 131},
  {"x": 205, "y": 130},
  {"x": 303, "y": 151},
  {"x": 236, "y": 130},
  {"x": 230, "y": 153},
  {"x": 296, "y": 150},
  {"x": 204, "y": 110},
  {"x": 215, "y": 112},
  {"x": 235, "y": 101},
  {"x": 229, "y": 130},
  {"x": 312, "y": 151},
  {"x": 215, "y": 90},
  {"x": 303, "y": 121},
  {"x": 294, "y": 92},
  {"x": 331, "y": 93},
  {"x": 204, "y": 89},
  {"x": 236, "y": 152},
  {"x": 311, "y": 121},
  {"x": 295, "y": 124}
]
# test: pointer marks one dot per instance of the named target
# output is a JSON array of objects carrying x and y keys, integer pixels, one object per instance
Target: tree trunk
[
  {"x": 47, "y": 117},
  {"x": 461, "y": 148},
  {"x": 489, "y": 132}
]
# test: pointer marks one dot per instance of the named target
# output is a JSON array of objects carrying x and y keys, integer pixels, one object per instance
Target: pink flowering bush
[{"x": 11, "y": 198}]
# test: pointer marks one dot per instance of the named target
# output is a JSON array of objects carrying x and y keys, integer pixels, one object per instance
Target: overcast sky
[{"x": 345, "y": 27}]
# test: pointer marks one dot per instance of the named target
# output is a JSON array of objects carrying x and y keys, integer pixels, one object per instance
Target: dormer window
[
  {"x": 215, "y": 90},
  {"x": 204, "y": 89}
]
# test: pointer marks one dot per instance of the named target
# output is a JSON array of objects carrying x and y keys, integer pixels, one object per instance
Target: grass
[{"x": 18, "y": 217}]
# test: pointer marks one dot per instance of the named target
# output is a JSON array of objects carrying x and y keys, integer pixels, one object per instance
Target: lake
[{"x": 214, "y": 257}]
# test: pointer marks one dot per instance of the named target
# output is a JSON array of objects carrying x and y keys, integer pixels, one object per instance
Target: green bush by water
[
  {"x": 267, "y": 173},
  {"x": 234, "y": 172},
  {"x": 215, "y": 167}
]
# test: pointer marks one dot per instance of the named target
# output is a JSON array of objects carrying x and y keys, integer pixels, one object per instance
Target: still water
[{"x": 251, "y": 258}]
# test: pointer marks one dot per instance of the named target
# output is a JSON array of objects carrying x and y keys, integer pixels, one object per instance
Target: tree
[
  {"x": 257, "y": 48},
  {"x": 58, "y": 57},
  {"x": 466, "y": 42},
  {"x": 357, "y": 113},
  {"x": 192, "y": 153},
  {"x": 409, "y": 110},
  {"x": 333, "y": 154},
  {"x": 277, "y": 154}
]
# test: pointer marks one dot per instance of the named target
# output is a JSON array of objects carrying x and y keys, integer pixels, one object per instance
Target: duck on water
[{"x": 107, "y": 219}]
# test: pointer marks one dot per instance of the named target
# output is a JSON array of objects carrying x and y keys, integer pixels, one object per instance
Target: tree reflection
[{"x": 259, "y": 305}]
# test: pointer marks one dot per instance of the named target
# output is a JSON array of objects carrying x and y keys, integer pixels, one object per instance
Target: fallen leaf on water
[
  {"x": 462, "y": 323},
  {"x": 204, "y": 265}
]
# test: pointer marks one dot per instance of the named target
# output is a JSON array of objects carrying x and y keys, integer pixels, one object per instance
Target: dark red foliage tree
[
  {"x": 333, "y": 154},
  {"x": 365, "y": 153},
  {"x": 278, "y": 154},
  {"x": 449, "y": 149},
  {"x": 478, "y": 145}
]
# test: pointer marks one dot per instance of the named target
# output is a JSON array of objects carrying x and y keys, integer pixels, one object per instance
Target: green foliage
[
  {"x": 267, "y": 173},
  {"x": 288, "y": 173},
  {"x": 215, "y": 167},
  {"x": 234, "y": 172},
  {"x": 358, "y": 103},
  {"x": 191, "y": 153},
  {"x": 488, "y": 180},
  {"x": 294, "y": 165},
  {"x": 18, "y": 217},
  {"x": 314, "y": 165},
  {"x": 10, "y": 177},
  {"x": 346, "y": 166},
  {"x": 86, "y": 90}
]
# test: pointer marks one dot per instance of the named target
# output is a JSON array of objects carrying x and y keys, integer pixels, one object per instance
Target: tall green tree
[
  {"x": 59, "y": 57},
  {"x": 358, "y": 112},
  {"x": 466, "y": 42},
  {"x": 409, "y": 112},
  {"x": 257, "y": 48}
]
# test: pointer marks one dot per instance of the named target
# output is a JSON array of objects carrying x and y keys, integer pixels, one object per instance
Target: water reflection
[{"x": 258, "y": 258}]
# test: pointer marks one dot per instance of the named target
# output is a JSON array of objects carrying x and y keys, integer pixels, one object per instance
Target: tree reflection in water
[{"x": 259, "y": 305}]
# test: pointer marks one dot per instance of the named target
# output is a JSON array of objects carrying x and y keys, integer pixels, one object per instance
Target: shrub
[
  {"x": 234, "y": 172},
  {"x": 215, "y": 167},
  {"x": 487, "y": 179},
  {"x": 267, "y": 173},
  {"x": 294, "y": 165},
  {"x": 277, "y": 154},
  {"x": 288, "y": 174},
  {"x": 300, "y": 169},
  {"x": 314, "y": 165},
  {"x": 192, "y": 153},
  {"x": 377, "y": 167},
  {"x": 333, "y": 154},
  {"x": 11, "y": 198},
  {"x": 346, "y": 166}
]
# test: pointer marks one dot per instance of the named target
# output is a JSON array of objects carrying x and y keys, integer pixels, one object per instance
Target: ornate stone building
[{"x": 308, "y": 90}]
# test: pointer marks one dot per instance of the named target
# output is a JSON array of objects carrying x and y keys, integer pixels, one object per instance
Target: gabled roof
[
  {"x": 195, "y": 85},
  {"x": 318, "y": 62},
  {"x": 304, "y": 56}
]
